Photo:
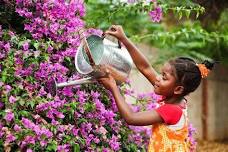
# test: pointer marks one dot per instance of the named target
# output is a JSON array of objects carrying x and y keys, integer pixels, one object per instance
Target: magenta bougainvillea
[{"x": 79, "y": 118}]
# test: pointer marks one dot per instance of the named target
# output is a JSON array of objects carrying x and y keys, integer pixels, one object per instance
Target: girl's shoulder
[{"x": 170, "y": 113}]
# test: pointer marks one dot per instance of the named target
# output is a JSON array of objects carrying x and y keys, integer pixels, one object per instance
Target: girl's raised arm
[{"x": 139, "y": 59}]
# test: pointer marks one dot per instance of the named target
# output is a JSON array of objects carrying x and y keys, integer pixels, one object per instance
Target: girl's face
[{"x": 165, "y": 82}]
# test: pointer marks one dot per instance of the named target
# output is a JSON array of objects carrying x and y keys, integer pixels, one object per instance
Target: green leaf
[
  {"x": 197, "y": 14},
  {"x": 53, "y": 129},
  {"x": 36, "y": 45},
  {"x": 180, "y": 15},
  {"x": 187, "y": 13},
  {"x": 178, "y": 9},
  {"x": 52, "y": 146},
  {"x": 76, "y": 148},
  {"x": 31, "y": 103},
  {"x": 81, "y": 120},
  {"x": 186, "y": 35},
  {"x": 20, "y": 44},
  {"x": 89, "y": 107},
  {"x": 31, "y": 79},
  {"x": 21, "y": 102},
  {"x": 24, "y": 113},
  {"x": 4, "y": 76},
  {"x": 74, "y": 105}
]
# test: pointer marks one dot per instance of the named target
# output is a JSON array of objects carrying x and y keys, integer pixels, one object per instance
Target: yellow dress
[{"x": 166, "y": 139}]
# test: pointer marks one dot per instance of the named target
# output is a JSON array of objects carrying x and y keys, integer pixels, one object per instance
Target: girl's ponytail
[
  {"x": 205, "y": 67},
  {"x": 209, "y": 64}
]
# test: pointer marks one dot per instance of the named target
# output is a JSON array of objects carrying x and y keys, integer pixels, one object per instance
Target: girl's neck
[{"x": 173, "y": 100}]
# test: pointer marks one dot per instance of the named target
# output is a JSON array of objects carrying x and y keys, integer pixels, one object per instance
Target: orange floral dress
[{"x": 164, "y": 138}]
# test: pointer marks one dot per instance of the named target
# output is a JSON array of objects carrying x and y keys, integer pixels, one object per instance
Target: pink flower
[
  {"x": 106, "y": 150},
  {"x": 156, "y": 14},
  {"x": 114, "y": 144},
  {"x": 67, "y": 91},
  {"x": 7, "y": 88},
  {"x": 95, "y": 31},
  {"x": 141, "y": 96},
  {"x": 17, "y": 128},
  {"x": 9, "y": 116},
  {"x": 131, "y": 1},
  {"x": 10, "y": 138},
  {"x": 59, "y": 115},
  {"x": 63, "y": 148},
  {"x": 1, "y": 105},
  {"x": 95, "y": 94},
  {"x": 28, "y": 140},
  {"x": 129, "y": 92},
  {"x": 42, "y": 92},
  {"x": 192, "y": 140},
  {"x": 12, "y": 99},
  {"x": 102, "y": 130},
  {"x": 1, "y": 30},
  {"x": 11, "y": 33},
  {"x": 1, "y": 133},
  {"x": 25, "y": 46},
  {"x": 29, "y": 150},
  {"x": 7, "y": 47},
  {"x": 27, "y": 123},
  {"x": 81, "y": 96},
  {"x": 43, "y": 143},
  {"x": 75, "y": 131}
]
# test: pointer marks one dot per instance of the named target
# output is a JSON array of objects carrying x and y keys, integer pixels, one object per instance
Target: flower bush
[{"x": 79, "y": 118}]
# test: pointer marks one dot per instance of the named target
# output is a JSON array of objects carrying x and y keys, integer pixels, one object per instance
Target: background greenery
[{"x": 194, "y": 28}]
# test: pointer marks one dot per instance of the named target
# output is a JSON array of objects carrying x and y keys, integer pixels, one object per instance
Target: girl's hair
[{"x": 188, "y": 74}]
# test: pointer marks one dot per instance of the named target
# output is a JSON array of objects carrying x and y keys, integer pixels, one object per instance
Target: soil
[{"x": 212, "y": 146}]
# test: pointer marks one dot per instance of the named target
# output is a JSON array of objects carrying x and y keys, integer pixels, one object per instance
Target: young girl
[{"x": 178, "y": 78}]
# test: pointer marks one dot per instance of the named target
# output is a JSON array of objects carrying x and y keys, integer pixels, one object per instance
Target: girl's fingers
[
  {"x": 111, "y": 30},
  {"x": 101, "y": 80},
  {"x": 114, "y": 27},
  {"x": 107, "y": 71}
]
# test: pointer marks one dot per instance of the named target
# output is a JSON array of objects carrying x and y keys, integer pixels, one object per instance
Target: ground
[{"x": 209, "y": 146}]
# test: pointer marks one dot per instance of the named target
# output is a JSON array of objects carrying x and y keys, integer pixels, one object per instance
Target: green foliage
[
  {"x": 184, "y": 36},
  {"x": 52, "y": 146},
  {"x": 188, "y": 39},
  {"x": 7, "y": 73},
  {"x": 76, "y": 147},
  {"x": 102, "y": 14}
]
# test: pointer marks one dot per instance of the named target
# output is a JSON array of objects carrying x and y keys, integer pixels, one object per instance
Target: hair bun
[{"x": 209, "y": 65}]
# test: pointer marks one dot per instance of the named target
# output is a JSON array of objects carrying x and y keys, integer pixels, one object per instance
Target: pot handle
[
  {"x": 119, "y": 43},
  {"x": 86, "y": 48}
]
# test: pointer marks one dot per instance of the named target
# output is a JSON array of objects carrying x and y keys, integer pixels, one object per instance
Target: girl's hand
[
  {"x": 108, "y": 81},
  {"x": 117, "y": 31}
]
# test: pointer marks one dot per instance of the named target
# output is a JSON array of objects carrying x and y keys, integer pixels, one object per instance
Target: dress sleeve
[{"x": 170, "y": 113}]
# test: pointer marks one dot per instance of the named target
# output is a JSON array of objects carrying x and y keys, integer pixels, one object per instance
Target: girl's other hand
[
  {"x": 108, "y": 81},
  {"x": 117, "y": 31}
]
